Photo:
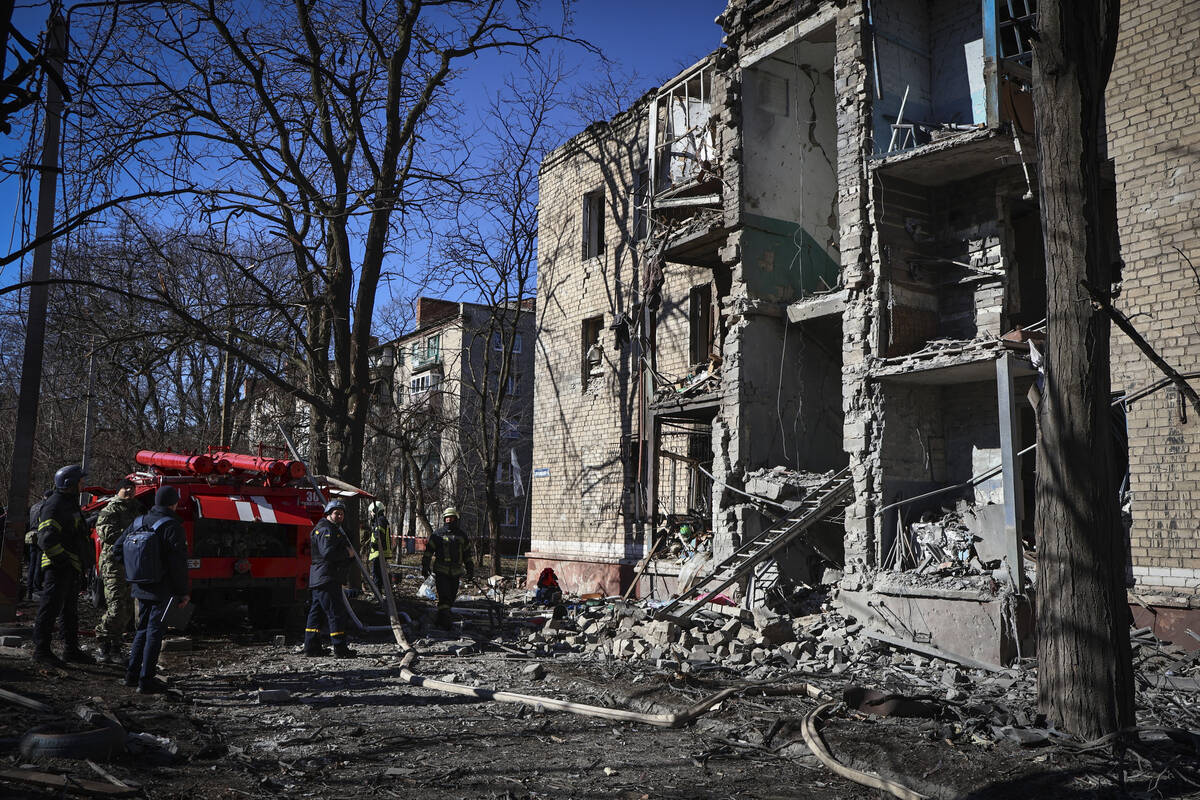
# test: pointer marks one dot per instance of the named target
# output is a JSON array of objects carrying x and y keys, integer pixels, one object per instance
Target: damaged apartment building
[{"x": 791, "y": 313}]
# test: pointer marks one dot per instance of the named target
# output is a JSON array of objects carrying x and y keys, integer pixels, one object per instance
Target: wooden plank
[
  {"x": 67, "y": 783},
  {"x": 25, "y": 702}
]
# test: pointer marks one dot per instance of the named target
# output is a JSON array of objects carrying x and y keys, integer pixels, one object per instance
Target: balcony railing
[{"x": 424, "y": 360}]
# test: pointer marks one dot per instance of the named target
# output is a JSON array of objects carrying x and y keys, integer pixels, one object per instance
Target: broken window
[
  {"x": 700, "y": 318},
  {"x": 1016, "y": 21},
  {"x": 504, "y": 473},
  {"x": 683, "y": 138},
  {"x": 508, "y": 516},
  {"x": 593, "y": 224},
  {"x": 641, "y": 204},
  {"x": 593, "y": 351}
]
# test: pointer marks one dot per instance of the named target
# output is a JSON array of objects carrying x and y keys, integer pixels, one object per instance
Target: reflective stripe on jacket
[
  {"x": 61, "y": 531},
  {"x": 450, "y": 550}
]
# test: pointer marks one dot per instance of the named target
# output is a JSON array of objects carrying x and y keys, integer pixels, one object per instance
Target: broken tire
[{"x": 98, "y": 744}]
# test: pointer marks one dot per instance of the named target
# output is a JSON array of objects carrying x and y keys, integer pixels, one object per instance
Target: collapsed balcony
[{"x": 685, "y": 173}]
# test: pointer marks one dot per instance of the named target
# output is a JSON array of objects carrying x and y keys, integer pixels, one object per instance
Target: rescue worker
[
  {"x": 115, "y": 517},
  {"x": 33, "y": 574},
  {"x": 380, "y": 552},
  {"x": 64, "y": 542},
  {"x": 331, "y": 560},
  {"x": 155, "y": 597},
  {"x": 450, "y": 550}
]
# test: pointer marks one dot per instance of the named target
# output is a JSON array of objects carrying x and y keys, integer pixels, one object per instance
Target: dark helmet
[
  {"x": 334, "y": 505},
  {"x": 68, "y": 476}
]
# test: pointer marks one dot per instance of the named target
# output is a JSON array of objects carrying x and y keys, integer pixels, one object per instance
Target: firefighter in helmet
[
  {"x": 450, "y": 551},
  {"x": 62, "y": 537},
  {"x": 379, "y": 551},
  {"x": 330, "y": 568}
]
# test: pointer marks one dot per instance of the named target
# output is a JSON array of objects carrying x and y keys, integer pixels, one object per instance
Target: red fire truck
[{"x": 247, "y": 520}]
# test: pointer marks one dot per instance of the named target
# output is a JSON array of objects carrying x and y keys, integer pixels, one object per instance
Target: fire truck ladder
[{"x": 817, "y": 505}]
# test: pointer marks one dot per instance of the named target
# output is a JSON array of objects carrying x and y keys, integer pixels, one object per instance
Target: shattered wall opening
[{"x": 789, "y": 181}]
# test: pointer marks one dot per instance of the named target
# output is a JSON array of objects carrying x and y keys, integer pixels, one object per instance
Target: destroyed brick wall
[
  {"x": 862, "y": 400},
  {"x": 1155, "y": 144},
  {"x": 585, "y": 522}
]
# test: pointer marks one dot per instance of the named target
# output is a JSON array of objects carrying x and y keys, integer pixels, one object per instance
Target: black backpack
[{"x": 143, "y": 552}]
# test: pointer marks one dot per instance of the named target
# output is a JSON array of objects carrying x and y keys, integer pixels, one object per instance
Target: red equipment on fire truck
[{"x": 247, "y": 520}]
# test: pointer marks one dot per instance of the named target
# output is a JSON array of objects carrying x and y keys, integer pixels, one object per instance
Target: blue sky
[{"x": 652, "y": 39}]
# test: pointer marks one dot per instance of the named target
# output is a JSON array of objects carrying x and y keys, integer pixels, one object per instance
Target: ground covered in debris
[{"x": 249, "y": 716}]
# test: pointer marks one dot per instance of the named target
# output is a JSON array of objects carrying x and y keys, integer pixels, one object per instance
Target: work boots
[
  {"x": 76, "y": 656},
  {"x": 342, "y": 651},
  {"x": 314, "y": 650},
  {"x": 48, "y": 658},
  {"x": 152, "y": 686},
  {"x": 110, "y": 653}
]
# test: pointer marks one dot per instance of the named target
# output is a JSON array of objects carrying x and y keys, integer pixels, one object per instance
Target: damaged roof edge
[
  {"x": 687, "y": 73},
  {"x": 590, "y": 134}
]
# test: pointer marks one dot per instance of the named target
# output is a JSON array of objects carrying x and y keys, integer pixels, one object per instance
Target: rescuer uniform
[
  {"x": 154, "y": 596},
  {"x": 33, "y": 553},
  {"x": 330, "y": 566},
  {"x": 65, "y": 545},
  {"x": 450, "y": 551},
  {"x": 114, "y": 518},
  {"x": 381, "y": 544}
]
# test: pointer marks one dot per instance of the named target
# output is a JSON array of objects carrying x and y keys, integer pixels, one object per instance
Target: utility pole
[
  {"x": 89, "y": 419},
  {"x": 35, "y": 332}
]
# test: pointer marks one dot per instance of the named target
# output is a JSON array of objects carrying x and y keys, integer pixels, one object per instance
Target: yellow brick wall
[
  {"x": 1154, "y": 140},
  {"x": 580, "y": 508}
]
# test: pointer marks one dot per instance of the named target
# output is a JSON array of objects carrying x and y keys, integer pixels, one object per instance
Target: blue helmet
[
  {"x": 68, "y": 477},
  {"x": 334, "y": 505}
]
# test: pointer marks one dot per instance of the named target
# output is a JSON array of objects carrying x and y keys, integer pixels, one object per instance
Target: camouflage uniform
[{"x": 113, "y": 520}]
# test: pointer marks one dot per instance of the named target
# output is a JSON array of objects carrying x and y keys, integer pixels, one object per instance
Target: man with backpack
[
  {"x": 153, "y": 550},
  {"x": 62, "y": 537}
]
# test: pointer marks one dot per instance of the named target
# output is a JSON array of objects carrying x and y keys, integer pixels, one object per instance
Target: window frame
[{"x": 593, "y": 224}]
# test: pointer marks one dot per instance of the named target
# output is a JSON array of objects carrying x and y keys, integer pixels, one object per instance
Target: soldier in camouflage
[{"x": 113, "y": 520}]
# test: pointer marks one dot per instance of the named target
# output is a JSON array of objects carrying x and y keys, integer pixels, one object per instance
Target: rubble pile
[{"x": 784, "y": 486}]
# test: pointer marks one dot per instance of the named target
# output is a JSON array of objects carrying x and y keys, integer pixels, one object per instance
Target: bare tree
[
  {"x": 1085, "y": 682},
  {"x": 317, "y": 124},
  {"x": 492, "y": 253}
]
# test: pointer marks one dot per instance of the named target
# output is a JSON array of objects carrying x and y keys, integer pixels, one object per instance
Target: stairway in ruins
[{"x": 816, "y": 506}]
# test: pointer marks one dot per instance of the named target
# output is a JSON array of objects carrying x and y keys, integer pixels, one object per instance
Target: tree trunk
[
  {"x": 1085, "y": 680},
  {"x": 493, "y": 524}
]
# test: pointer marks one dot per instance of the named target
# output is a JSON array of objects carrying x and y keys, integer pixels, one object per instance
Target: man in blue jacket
[
  {"x": 168, "y": 583},
  {"x": 330, "y": 568}
]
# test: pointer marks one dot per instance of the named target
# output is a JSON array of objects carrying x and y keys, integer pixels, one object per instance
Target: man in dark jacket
[
  {"x": 63, "y": 540},
  {"x": 379, "y": 551},
  {"x": 33, "y": 574},
  {"x": 331, "y": 559},
  {"x": 154, "y": 596},
  {"x": 450, "y": 551}
]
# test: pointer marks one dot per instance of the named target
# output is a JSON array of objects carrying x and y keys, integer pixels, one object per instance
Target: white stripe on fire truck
[
  {"x": 245, "y": 510},
  {"x": 264, "y": 509}
]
